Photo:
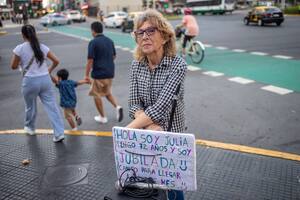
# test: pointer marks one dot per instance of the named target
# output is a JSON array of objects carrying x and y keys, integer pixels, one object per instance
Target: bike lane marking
[
  {"x": 207, "y": 143},
  {"x": 264, "y": 69},
  {"x": 241, "y": 80},
  {"x": 276, "y": 90}
]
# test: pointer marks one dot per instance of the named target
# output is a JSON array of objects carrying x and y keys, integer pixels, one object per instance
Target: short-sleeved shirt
[
  {"x": 153, "y": 91},
  {"x": 102, "y": 50},
  {"x": 25, "y": 52},
  {"x": 67, "y": 93},
  {"x": 191, "y": 25}
]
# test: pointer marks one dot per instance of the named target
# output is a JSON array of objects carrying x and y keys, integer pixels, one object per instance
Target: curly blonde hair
[{"x": 157, "y": 20}]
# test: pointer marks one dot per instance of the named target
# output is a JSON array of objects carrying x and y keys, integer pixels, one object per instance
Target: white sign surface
[{"x": 168, "y": 158}]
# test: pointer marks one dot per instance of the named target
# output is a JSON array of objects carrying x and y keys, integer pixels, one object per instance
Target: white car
[
  {"x": 74, "y": 15},
  {"x": 114, "y": 19},
  {"x": 54, "y": 20}
]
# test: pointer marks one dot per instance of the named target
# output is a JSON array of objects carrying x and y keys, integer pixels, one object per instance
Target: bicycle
[{"x": 195, "y": 49}]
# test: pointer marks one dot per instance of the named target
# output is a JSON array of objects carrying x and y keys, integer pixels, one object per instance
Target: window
[{"x": 204, "y": 3}]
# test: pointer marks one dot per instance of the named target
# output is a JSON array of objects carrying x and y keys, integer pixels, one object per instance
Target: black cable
[{"x": 130, "y": 189}]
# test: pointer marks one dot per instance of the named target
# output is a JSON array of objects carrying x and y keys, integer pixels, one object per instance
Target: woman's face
[{"x": 149, "y": 39}]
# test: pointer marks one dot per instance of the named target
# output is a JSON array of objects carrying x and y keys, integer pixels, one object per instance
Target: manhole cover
[{"x": 65, "y": 175}]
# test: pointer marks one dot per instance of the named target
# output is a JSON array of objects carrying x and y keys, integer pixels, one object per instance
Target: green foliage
[{"x": 292, "y": 10}]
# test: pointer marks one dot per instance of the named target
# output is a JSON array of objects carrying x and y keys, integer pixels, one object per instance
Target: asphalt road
[
  {"x": 230, "y": 31},
  {"x": 216, "y": 109}
]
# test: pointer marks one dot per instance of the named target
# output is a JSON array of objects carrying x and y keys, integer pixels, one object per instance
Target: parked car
[
  {"x": 114, "y": 19},
  {"x": 54, "y": 19},
  {"x": 128, "y": 22},
  {"x": 264, "y": 15},
  {"x": 75, "y": 16}
]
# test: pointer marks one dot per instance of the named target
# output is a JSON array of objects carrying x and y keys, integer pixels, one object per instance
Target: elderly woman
[{"x": 157, "y": 74}]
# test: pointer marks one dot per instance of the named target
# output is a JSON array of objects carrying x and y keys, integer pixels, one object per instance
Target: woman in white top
[{"x": 31, "y": 57}]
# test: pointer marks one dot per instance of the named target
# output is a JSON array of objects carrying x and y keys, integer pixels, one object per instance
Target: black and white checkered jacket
[{"x": 153, "y": 91}]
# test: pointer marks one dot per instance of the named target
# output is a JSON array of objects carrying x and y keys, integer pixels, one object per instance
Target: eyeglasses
[{"x": 140, "y": 32}]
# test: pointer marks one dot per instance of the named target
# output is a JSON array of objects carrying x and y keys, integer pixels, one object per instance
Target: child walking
[{"x": 68, "y": 97}]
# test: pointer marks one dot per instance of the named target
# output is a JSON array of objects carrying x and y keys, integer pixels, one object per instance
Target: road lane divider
[
  {"x": 213, "y": 73},
  {"x": 206, "y": 143},
  {"x": 221, "y": 48},
  {"x": 241, "y": 80},
  {"x": 259, "y": 53},
  {"x": 239, "y": 50},
  {"x": 282, "y": 57},
  {"x": 277, "y": 90},
  {"x": 193, "y": 68}
]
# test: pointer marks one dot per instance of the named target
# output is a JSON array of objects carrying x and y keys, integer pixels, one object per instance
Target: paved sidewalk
[{"x": 221, "y": 174}]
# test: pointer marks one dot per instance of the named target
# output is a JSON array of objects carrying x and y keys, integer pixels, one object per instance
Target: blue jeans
[
  {"x": 41, "y": 86},
  {"x": 175, "y": 195}
]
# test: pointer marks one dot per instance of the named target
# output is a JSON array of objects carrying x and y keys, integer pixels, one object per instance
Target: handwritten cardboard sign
[{"x": 168, "y": 158}]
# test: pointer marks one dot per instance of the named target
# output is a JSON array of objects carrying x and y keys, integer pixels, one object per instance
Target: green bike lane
[{"x": 264, "y": 69}]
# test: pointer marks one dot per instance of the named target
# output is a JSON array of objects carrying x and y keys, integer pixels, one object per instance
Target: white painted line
[
  {"x": 239, "y": 50},
  {"x": 132, "y": 51},
  {"x": 12, "y": 25},
  {"x": 258, "y": 53},
  {"x": 207, "y": 45},
  {"x": 241, "y": 80},
  {"x": 38, "y": 32},
  {"x": 193, "y": 68},
  {"x": 282, "y": 57},
  {"x": 70, "y": 35},
  {"x": 221, "y": 48},
  {"x": 118, "y": 47},
  {"x": 213, "y": 73},
  {"x": 125, "y": 49},
  {"x": 277, "y": 90}
]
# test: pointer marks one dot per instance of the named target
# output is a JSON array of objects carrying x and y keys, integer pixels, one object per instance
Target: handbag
[
  {"x": 174, "y": 104},
  {"x": 25, "y": 70}
]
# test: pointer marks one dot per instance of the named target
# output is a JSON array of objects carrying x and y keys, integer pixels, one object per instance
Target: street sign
[{"x": 168, "y": 158}]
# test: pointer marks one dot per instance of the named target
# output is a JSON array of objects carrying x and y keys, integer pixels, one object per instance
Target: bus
[{"x": 211, "y": 6}]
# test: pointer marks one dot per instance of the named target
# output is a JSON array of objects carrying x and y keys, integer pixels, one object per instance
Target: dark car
[
  {"x": 264, "y": 15},
  {"x": 128, "y": 22}
]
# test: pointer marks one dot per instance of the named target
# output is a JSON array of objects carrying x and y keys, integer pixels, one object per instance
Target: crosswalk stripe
[
  {"x": 277, "y": 90},
  {"x": 241, "y": 80},
  {"x": 213, "y": 73},
  {"x": 125, "y": 49}
]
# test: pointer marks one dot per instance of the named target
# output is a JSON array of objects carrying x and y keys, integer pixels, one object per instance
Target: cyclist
[{"x": 189, "y": 23}]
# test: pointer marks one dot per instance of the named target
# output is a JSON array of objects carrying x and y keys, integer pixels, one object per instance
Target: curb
[{"x": 205, "y": 143}]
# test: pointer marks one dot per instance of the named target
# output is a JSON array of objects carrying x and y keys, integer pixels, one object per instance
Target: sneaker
[
  {"x": 59, "y": 138},
  {"x": 75, "y": 129},
  {"x": 29, "y": 131},
  {"x": 100, "y": 119},
  {"x": 78, "y": 120},
  {"x": 119, "y": 113}
]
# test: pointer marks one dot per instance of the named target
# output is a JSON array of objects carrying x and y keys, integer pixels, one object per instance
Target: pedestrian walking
[
  {"x": 31, "y": 56},
  {"x": 25, "y": 18},
  {"x": 68, "y": 98},
  {"x": 100, "y": 62},
  {"x": 157, "y": 79}
]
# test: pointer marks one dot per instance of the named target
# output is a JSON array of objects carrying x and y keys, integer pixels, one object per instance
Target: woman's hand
[{"x": 154, "y": 127}]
